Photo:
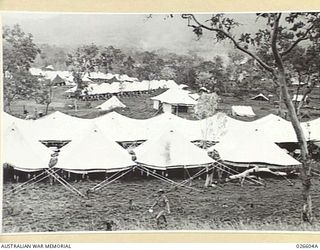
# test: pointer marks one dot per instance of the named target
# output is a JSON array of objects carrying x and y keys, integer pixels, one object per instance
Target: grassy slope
[
  {"x": 141, "y": 106},
  {"x": 231, "y": 207}
]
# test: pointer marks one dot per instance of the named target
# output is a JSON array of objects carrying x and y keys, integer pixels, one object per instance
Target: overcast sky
[{"x": 121, "y": 30}]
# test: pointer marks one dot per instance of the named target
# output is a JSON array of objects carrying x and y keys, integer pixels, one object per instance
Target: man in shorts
[{"x": 163, "y": 203}]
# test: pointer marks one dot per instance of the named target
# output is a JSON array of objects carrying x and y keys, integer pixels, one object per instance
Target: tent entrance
[{"x": 55, "y": 143}]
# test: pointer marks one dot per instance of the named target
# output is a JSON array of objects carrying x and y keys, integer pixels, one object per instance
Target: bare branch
[
  {"x": 229, "y": 36},
  {"x": 274, "y": 36},
  {"x": 295, "y": 43}
]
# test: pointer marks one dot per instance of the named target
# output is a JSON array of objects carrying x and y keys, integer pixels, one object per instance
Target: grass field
[
  {"x": 140, "y": 107},
  {"x": 45, "y": 208}
]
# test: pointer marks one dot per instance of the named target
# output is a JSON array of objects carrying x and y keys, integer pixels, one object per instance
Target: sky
[{"x": 122, "y": 30}]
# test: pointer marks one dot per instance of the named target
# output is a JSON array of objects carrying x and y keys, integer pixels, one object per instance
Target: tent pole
[
  {"x": 22, "y": 186},
  {"x": 170, "y": 181},
  {"x": 63, "y": 182},
  {"x": 101, "y": 186},
  {"x": 25, "y": 183},
  {"x": 193, "y": 177},
  {"x": 105, "y": 180},
  {"x": 189, "y": 179}
]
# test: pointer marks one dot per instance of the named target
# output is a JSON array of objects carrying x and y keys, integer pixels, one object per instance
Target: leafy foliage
[
  {"x": 206, "y": 105},
  {"x": 19, "y": 52}
]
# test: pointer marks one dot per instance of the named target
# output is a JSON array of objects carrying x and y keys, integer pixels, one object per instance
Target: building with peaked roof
[
  {"x": 174, "y": 100},
  {"x": 58, "y": 81},
  {"x": 171, "y": 150}
]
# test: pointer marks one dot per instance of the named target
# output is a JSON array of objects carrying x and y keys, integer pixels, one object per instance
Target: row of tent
[
  {"x": 60, "y": 126},
  {"x": 92, "y": 76},
  {"x": 95, "y": 152},
  {"x": 94, "y": 146},
  {"x": 117, "y": 87},
  {"x": 51, "y": 74}
]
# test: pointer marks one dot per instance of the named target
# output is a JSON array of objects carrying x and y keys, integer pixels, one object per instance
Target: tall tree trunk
[
  {"x": 305, "y": 171},
  {"x": 75, "y": 104},
  {"x": 280, "y": 102},
  {"x": 209, "y": 177},
  {"x": 47, "y": 108}
]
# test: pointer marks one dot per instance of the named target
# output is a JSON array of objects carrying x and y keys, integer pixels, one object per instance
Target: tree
[
  {"x": 82, "y": 62},
  {"x": 168, "y": 73},
  {"x": 111, "y": 58},
  {"x": 272, "y": 47},
  {"x": 19, "y": 84},
  {"x": 205, "y": 79},
  {"x": 150, "y": 66},
  {"x": 213, "y": 75},
  {"x": 305, "y": 67},
  {"x": 207, "y": 105},
  {"x": 205, "y": 108},
  {"x": 44, "y": 94},
  {"x": 19, "y": 52},
  {"x": 51, "y": 55}
]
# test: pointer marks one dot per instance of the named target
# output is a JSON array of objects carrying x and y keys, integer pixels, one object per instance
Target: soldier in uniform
[{"x": 162, "y": 203}]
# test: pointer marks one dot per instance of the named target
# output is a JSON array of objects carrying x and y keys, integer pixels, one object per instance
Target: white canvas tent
[
  {"x": 59, "y": 126},
  {"x": 298, "y": 98},
  {"x": 23, "y": 153},
  {"x": 93, "y": 152},
  {"x": 171, "y": 150},
  {"x": 110, "y": 104},
  {"x": 121, "y": 128},
  {"x": 260, "y": 97},
  {"x": 214, "y": 128},
  {"x": 251, "y": 148},
  {"x": 245, "y": 111},
  {"x": 312, "y": 129},
  {"x": 275, "y": 129},
  {"x": 8, "y": 120}
]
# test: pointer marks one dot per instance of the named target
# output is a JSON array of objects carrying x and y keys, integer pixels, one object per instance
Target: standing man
[
  {"x": 209, "y": 177},
  {"x": 163, "y": 203},
  {"x": 53, "y": 161}
]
